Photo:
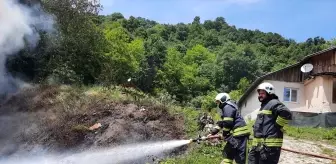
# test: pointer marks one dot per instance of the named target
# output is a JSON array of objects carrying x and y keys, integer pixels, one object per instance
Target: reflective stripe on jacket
[
  {"x": 272, "y": 116},
  {"x": 232, "y": 121}
]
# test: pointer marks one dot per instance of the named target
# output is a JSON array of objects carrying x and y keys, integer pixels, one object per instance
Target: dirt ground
[
  {"x": 305, "y": 146},
  {"x": 56, "y": 119}
]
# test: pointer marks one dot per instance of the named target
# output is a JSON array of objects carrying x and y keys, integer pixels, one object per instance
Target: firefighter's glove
[{"x": 264, "y": 152}]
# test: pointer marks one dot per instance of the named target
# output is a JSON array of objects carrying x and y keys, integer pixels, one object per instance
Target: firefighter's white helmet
[
  {"x": 268, "y": 87},
  {"x": 222, "y": 97}
]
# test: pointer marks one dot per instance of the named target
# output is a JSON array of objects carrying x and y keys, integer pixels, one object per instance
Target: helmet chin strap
[{"x": 221, "y": 105}]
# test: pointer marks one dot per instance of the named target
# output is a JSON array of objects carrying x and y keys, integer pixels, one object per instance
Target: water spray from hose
[{"x": 120, "y": 155}]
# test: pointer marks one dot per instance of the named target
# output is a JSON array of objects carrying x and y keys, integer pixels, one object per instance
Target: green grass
[
  {"x": 198, "y": 154},
  {"x": 313, "y": 134},
  {"x": 329, "y": 152}
]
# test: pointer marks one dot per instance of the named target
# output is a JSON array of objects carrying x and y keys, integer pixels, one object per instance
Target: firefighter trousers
[
  {"x": 264, "y": 155},
  {"x": 237, "y": 152}
]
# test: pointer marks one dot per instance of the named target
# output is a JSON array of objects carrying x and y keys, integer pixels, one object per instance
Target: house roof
[{"x": 262, "y": 78}]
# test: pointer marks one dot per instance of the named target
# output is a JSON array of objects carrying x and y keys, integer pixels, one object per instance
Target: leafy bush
[{"x": 205, "y": 102}]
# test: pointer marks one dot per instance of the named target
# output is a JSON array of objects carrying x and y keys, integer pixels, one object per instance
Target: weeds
[
  {"x": 190, "y": 119},
  {"x": 329, "y": 152},
  {"x": 314, "y": 134},
  {"x": 198, "y": 154}
]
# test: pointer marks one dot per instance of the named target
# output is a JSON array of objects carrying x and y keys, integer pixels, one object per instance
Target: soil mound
[{"x": 62, "y": 118}]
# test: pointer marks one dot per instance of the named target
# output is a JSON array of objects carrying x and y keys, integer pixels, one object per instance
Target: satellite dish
[{"x": 307, "y": 68}]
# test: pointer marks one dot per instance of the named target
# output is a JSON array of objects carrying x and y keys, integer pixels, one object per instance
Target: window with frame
[{"x": 290, "y": 95}]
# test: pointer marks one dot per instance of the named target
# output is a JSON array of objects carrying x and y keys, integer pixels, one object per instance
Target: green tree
[
  {"x": 172, "y": 72},
  {"x": 155, "y": 54},
  {"x": 242, "y": 86},
  {"x": 199, "y": 55},
  {"x": 123, "y": 56},
  {"x": 241, "y": 57},
  {"x": 332, "y": 42},
  {"x": 115, "y": 17},
  {"x": 186, "y": 60},
  {"x": 80, "y": 43}
]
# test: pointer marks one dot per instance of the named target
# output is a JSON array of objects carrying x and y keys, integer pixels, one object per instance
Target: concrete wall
[{"x": 317, "y": 92}]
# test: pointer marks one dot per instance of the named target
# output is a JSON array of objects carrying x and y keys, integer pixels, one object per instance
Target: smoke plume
[{"x": 19, "y": 26}]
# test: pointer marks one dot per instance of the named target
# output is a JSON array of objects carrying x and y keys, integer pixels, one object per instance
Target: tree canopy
[{"x": 187, "y": 60}]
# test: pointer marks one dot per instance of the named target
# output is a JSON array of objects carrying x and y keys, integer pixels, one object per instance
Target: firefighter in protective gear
[
  {"x": 235, "y": 131},
  {"x": 268, "y": 128},
  {"x": 204, "y": 120}
]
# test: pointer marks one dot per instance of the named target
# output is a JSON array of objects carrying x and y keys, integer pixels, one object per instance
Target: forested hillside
[{"x": 187, "y": 60}]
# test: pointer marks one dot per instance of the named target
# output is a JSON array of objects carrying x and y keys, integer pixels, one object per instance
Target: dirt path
[{"x": 305, "y": 146}]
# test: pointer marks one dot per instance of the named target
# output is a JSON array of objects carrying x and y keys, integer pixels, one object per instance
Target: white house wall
[
  {"x": 251, "y": 103},
  {"x": 279, "y": 91}
]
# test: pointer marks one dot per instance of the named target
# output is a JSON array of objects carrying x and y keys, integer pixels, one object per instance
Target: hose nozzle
[{"x": 198, "y": 139}]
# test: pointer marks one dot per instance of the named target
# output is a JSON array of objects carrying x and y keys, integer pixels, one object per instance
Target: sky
[{"x": 293, "y": 19}]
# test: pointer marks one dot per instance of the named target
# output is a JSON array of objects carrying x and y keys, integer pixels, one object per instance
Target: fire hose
[
  {"x": 199, "y": 139},
  {"x": 309, "y": 154}
]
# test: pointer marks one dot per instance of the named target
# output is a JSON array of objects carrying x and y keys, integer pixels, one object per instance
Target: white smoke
[{"x": 19, "y": 25}]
